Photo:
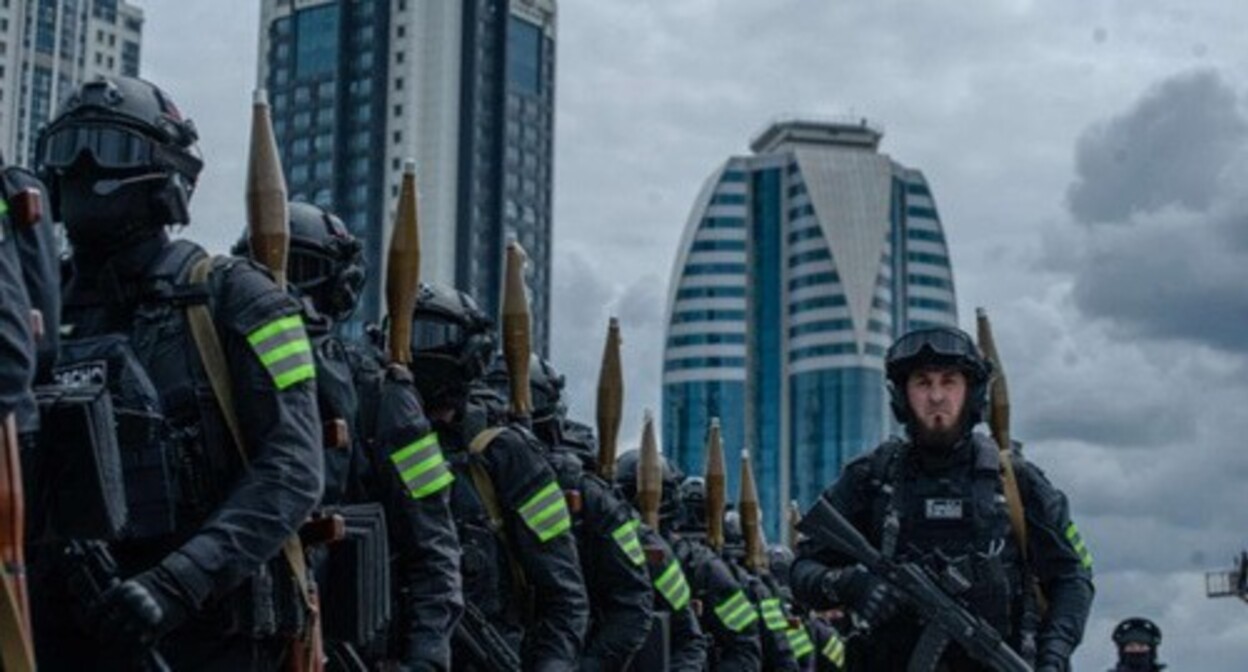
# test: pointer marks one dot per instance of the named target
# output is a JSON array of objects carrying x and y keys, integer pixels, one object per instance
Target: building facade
[
  {"x": 47, "y": 49},
  {"x": 799, "y": 265},
  {"x": 464, "y": 87}
]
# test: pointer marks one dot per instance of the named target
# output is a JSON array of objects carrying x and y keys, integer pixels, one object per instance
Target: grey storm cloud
[
  {"x": 1169, "y": 172},
  {"x": 1170, "y": 148}
]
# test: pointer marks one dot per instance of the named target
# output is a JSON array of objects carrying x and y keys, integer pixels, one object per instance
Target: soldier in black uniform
[
  {"x": 207, "y": 570},
  {"x": 29, "y": 216},
  {"x": 1137, "y": 640},
  {"x": 941, "y": 490},
  {"x": 606, "y": 528},
  {"x": 815, "y": 642},
  {"x": 17, "y": 356},
  {"x": 326, "y": 269},
  {"x": 725, "y": 610},
  {"x": 773, "y": 610},
  {"x": 520, "y": 566}
]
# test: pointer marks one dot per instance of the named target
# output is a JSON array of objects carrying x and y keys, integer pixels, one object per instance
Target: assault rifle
[
  {"x": 485, "y": 647},
  {"x": 924, "y": 591},
  {"x": 92, "y": 572}
]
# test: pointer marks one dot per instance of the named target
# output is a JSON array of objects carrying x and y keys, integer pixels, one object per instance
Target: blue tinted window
[
  {"x": 711, "y": 293},
  {"x": 922, "y": 234},
  {"x": 766, "y": 363},
  {"x": 703, "y": 363},
  {"x": 877, "y": 327},
  {"x": 817, "y": 302},
  {"x": 687, "y": 412},
  {"x": 733, "y": 176},
  {"x": 874, "y": 349},
  {"x": 805, "y": 234},
  {"x": 930, "y": 304},
  {"x": 808, "y": 256},
  {"x": 723, "y": 223},
  {"x": 801, "y": 210},
  {"x": 922, "y": 280},
  {"x": 316, "y": 49},
  {"x": 715, "y": 269},
  {"x": 524, "y": 55},
  {"x": 823, "y": 351},
  {"x": 915, "y": 325},
  {"x": 705, "y": 339},
  {"x": 825, "y": 278},
  {"x": 915, "y": 211},
  {"x": 836, "y": 416},
  {"x": 797, "y": 190},
  {"x": 925, "y": 258},
  {"x": 917, "y": 189},
  {"x": 708, "y": 316},
  {"x": 881, "y": 303},
  {"x": 728, "y": 199},
  {"x": 820, "y": 327},
  {"x": 719, "y": 246}
]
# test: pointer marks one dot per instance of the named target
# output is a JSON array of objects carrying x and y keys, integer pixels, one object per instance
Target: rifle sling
[
  {"x": 212, "y": 354},
  {"x": 489, "y": 498}
]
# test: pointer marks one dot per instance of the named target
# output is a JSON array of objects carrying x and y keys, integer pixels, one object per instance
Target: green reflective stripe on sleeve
[
  {"x": 284, "y": 349},
  {"x": 274, "y": 328},
  {"x": 736, "y": 612},
  {"x": 299, "y": 374},
  {"x": 672, "y": 585},
  {"x": 1076, "y": 541},
  {"x": 422, "y": 468},
  {"x": 799, "y": 641},
  {"x": 4, "y": 209},
  {"x": 773, "y": 614},
  {"x": 546, "y": 513},
  {"x": 626, "y": 538},
  {"x": 834, "y": 650}
]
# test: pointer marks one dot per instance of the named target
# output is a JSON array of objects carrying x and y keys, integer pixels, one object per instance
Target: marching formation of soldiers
[{"x": 200, "y": 472}]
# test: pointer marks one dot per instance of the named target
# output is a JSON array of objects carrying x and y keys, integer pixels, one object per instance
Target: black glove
[
  {"x": 1053, "y": 656},
  {"x": 874, "y": 601},
  {"x": 140, "y": 610}
]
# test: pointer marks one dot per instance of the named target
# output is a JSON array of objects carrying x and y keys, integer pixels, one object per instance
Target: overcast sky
[{"x": 1089, "y": 159}]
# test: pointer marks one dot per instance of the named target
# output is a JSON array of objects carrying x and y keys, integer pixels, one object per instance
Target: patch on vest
[
  {"x": 94, "y": 372},
  {"x": 943, "y": 509}
]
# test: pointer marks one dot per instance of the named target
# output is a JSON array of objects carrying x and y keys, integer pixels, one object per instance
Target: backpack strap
[{"x": 489, "y": 499}]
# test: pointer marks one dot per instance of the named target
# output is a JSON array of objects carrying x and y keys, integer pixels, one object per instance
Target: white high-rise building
[
  {"x": 800, "y": 264},
  {"x": 48, "y": 48}
]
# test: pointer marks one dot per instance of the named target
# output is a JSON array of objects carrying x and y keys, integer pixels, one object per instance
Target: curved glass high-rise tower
[{"x": 799, "y": 265}]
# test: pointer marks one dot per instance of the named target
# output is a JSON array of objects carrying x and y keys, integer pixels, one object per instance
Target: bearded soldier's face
[{"x": 937, "y": 396}]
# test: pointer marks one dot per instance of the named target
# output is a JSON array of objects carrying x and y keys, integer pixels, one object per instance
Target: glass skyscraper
[
  {"x": 799, "y": 265},
  {"x": 465, "y": 87}
]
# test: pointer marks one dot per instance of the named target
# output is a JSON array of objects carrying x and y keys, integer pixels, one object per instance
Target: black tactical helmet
[
  {"x": 693, "y": 504},
  {"x": 545, "y": 387},
  {"x": 326, "y": 262},
  {"x": 626, "y": 466},
  {"x": 1139, "y": 630},
  {"x": 452, "y": 343},
  {"x": 123, "y": 130},
  {"x": 937, "y": 346},
  {"x": 780, "y": 558}
]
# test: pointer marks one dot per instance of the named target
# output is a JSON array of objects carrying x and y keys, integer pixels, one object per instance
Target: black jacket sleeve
[
  {"x": 1060, "y": 559},
  {"x": 773, "y": 635},
  {"x": 539, "y": 525},
  {"x": 727, "y": 613},
  {"x": 621, "y": 596},
  {"x": 689, "y": 644},
  {"x": 415, "y": 491},
  {"x": 17, "y": 363},
  {"x": 276, "y": 407},
  {"x": 41, "y": 271},
  {"x": 814, "y": 560}
]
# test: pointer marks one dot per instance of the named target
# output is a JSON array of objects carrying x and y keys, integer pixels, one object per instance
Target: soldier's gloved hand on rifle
[
  {"x": 874, "y": 601},
  {"x": 140, "y": 610}
]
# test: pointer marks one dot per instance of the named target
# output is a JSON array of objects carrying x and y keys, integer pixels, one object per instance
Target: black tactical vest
[{"x": 956, "y": 517}]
